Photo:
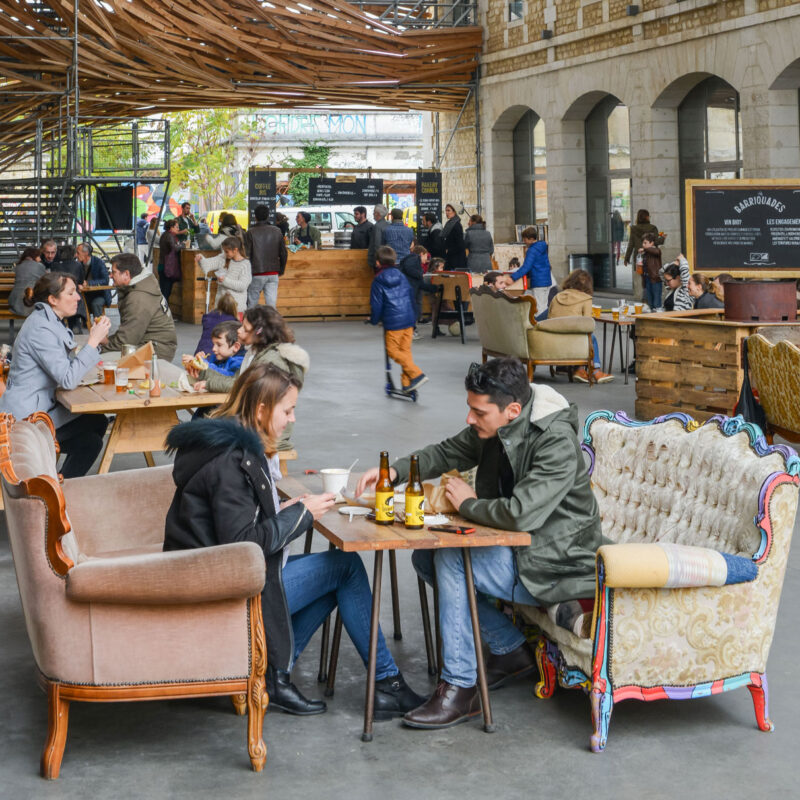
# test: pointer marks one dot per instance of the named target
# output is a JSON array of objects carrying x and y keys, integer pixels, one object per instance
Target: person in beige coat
[
  {"x": 232, "y": 269},
  {"x": 575, "y": 300}
]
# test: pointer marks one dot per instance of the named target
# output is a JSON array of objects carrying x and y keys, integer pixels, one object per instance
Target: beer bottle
[
  {"x": 384, "y": 493},
  {"x": 415, "y": 497}
]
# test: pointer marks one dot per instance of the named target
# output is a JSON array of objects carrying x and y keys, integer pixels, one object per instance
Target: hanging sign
[
  {"x": 429, "y": 199},
  {"x": 345, "y": 191},
  {"x": 261, "y": 192}
]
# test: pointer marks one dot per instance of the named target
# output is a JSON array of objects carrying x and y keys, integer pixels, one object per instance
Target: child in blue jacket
[
  {"x": 393, "y": 305},
  {"x": 227, "y": 348}
]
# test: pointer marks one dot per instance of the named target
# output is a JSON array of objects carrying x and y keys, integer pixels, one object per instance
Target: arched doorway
[
  {"x": 709, "y": 135},
  {"x": 530, "y": 171},
  {"x": 608, "y": 192}
]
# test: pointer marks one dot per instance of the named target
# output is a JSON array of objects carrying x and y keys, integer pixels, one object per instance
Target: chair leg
[
  {"x": 426, "y": 626},
  {"x": 257, "y": 697},
  {"x": 760, "y": 695},
  {"x": 239, "y": 704},
  {"x": 547, "y": 671},
  {"x": 602, "y": 705},
  {"x": 322, "y": 675},
  {"x": 57, "y": 722},
  {"x": 334, "y": 662},
  {"x": 398, "y": 632},
  {"x": 529, "y": 365}
]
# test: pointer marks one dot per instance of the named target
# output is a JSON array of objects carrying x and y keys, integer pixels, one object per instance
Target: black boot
[
  {"x": 394, "y": 697},
  {"x": 285, "y": 696}
]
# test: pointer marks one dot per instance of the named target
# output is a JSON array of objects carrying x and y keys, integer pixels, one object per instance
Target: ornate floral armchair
[
  {"x": 110, "y": 616},
  {"x": 674, "y": 618}
]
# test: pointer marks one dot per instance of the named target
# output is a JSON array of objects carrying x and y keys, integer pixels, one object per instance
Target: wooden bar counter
[
  {"x": 317, "y": 284},
  {"x": 690, "y": 361}
]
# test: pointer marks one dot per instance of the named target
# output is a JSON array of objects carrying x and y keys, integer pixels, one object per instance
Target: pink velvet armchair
[{"x": 110, "y": 616}]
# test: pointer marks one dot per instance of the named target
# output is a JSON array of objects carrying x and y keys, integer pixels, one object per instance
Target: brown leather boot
[
  {"x": 518, "y": 663},
  {"x": 448, "y": 706}
]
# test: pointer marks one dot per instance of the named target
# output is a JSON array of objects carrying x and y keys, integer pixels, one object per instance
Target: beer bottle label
[
  {"x": 415, "y": 511},
  {"x": 384, "y": 506}
]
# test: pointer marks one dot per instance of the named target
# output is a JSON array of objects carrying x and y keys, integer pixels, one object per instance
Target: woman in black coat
[
  {"x": 453, "y": 237},
  {"x": 225, "y": 472}
]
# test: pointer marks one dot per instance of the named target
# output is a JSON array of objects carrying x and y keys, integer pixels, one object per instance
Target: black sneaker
[
  {"x": 416, "y": 383},
  {"x": 394, "y": 697}
]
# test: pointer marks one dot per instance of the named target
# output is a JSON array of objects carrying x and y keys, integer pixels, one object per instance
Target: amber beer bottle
[
  {"x": 415, "y": 497},
  {"x": 384, "y": 493}
]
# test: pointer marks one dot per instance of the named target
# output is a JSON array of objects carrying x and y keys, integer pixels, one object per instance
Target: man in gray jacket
[
  {"x": 144, "y": 314},
  {"x": 531, "y": 476},
  {"x": 379, "y": 214}
]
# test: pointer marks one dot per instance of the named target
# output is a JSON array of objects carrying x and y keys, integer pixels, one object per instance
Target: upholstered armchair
[
  {"x": 773, "y": 354},
  {"x": 507, "y": 326},
  {"x": 701, "y": 519},
  {"x": 110, "y": 616}
]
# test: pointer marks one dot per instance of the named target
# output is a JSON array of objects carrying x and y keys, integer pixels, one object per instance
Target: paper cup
[{"x": 334, "y": 480}]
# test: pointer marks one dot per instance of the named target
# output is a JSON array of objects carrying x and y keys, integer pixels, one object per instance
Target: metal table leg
[
  {"x": 620, "y": 346},
  {"x": 437, "y": 629},
  {"x": 613, "y": 342},
  {"x": 337, "y": 639},
  {"x": 627, "y": 352},
  {"x": 483, "y": 688},
  {"x": 605, "y": 328},
  {"x": 426, "y": 626},
  {"x": 398, "y": 633},
  {"x": 369, "y": 703}
]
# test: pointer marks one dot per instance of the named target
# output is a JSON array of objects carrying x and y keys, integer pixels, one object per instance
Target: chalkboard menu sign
[
  {"x": 429, "y": 200},
  {"x": 736, "y": 225},
  {"x": 345, "y": 191},
  {"x": 261, "y": 192}
]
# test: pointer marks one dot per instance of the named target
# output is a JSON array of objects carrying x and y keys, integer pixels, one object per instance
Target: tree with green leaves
[
  {"x": 212, "y": 150},
  {"x": 314, "y": 155}
]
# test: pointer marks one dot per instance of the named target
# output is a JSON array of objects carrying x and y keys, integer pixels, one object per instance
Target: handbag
[{"x": 748, "y": 405}]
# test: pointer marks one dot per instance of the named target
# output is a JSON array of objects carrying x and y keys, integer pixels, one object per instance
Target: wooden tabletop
[
  {"x": 363, "y": 534},
  {"x": 623, "y": 320},
  {"x": 101, "y": 398}
]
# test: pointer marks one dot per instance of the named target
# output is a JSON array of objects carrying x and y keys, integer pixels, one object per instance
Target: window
[
  {"x": 530, "y": 171},
  {"x": 709, "y": 135},
  {"x": 514, "y": 10}
]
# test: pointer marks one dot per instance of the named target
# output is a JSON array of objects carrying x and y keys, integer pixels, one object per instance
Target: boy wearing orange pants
[{"x": 392, "y": 305}]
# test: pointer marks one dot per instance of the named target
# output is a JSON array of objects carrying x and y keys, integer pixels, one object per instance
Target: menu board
[
  {"x": 344, "y": 191},
  {"x": 748, "y": 225},
  {"x": 261, "y": 192},
  {"x": 429, "y": 199}
]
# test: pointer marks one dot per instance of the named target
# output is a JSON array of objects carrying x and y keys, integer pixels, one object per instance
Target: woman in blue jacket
[
  {"x": 536, "y": 266},
  {"x": 42, "y": 361}
]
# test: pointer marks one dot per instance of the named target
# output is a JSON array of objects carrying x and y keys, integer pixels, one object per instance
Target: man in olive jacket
[
  {"x": 144, "y": 314},
  {"x": 531, "y": 476}
]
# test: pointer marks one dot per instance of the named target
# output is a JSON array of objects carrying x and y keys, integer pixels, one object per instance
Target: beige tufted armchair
[
  {"x": 507, "y": 327},
  {"x": 668, "y": 623},
  {"x": 110, "y": 616}
]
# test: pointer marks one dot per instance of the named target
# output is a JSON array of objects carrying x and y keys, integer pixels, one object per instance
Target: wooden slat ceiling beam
[{"x": 139, "y": 57}]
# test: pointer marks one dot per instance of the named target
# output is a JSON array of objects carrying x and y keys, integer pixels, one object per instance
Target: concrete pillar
[
  {"x": 655, "y": 171},
  {"x": 498, "y": 171},
  {"x": 770, "y": 137},
  {"x": 566, "y": 191}
]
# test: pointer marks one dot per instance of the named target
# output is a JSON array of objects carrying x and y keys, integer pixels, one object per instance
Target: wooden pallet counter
[
  {"x": 317, "y": 284},
  {"x": 689, "y": 361}
]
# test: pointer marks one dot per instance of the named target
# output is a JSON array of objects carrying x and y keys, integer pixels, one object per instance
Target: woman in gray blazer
[
  {"x": 27, "y": 271},
  {"x": 478, "y": 242},
  {"x": 43, "y": 361}
]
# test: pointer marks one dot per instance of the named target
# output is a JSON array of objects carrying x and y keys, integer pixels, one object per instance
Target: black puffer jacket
[{"x": 223, "y": 494}]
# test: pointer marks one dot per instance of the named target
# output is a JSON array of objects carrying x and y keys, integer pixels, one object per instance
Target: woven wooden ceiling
[{"x": 140, "y": 57}]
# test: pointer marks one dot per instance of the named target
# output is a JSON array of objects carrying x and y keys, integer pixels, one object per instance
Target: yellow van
[
  {"x": 212, "y": 218},
  {"x": 410, "y": 216}
]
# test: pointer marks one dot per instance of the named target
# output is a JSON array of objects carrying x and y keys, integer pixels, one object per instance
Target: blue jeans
[
  {"x": 652, "y": 293},
  {"x": 495, "y": 574},
  {"x": 266, "y": 283},
  {"x": 596, "y": 348},
  {"x": 315, "y": 583}
]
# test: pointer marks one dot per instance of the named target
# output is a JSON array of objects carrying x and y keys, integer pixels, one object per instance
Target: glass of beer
[
  {"x": 637, "y": 308},
  {"x": 109, "y": 368},
  {"x": 596, "y": 311},
  {"x": 615, "y": 314},
  {"x": 121, "y": 378}
]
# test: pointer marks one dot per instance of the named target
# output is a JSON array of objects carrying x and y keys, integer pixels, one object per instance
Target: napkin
[{"x": 135, "y": 362}]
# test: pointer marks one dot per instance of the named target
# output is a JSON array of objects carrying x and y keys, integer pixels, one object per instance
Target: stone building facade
[{"x": 695, "y": 88}]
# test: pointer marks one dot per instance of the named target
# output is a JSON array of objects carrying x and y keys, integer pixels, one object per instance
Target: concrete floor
[{"x": 196, "y": 748}]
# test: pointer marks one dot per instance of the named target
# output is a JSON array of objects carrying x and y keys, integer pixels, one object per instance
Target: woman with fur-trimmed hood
[{"x": 269, "y": 340}]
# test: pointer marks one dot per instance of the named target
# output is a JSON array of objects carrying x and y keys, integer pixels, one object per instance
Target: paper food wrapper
[
  {"x": 436, "y": 501},
  {"x": 135, "y": 362}
]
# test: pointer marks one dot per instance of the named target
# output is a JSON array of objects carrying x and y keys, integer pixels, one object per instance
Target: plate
[{"x": 355, "y": 511}]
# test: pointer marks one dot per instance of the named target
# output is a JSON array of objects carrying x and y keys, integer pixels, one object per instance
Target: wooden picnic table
[
  {"x": 142, "y": 422},
  {"x": 361, "y": 534}
]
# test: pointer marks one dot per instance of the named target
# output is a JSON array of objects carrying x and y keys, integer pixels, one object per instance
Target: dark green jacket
[{"x": 552, "y": 496}]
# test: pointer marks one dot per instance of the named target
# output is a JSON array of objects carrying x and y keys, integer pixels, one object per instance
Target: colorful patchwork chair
[{"x": 701, "y": 517}]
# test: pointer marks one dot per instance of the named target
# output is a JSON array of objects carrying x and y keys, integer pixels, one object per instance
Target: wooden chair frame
[
  {"x": 531, "y": 363},
  {"x": 249, "y": 694},
  {"x": 458, "y": 282}
]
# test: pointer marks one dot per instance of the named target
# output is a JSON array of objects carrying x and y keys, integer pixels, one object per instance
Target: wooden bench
[{"x": 6, "y": 286}]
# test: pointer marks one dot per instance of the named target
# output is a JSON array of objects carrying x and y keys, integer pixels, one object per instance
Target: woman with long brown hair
[{"x": 225, "y": 471}]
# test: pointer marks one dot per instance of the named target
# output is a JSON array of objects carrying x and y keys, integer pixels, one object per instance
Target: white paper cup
[{"x": 334, "y": 480}]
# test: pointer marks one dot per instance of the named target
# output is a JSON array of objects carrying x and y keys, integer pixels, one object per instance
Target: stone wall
[{"x": 649, "y": 62}]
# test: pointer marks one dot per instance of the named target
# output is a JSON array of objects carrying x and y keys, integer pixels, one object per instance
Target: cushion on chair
[
  {"x": 502, "y": 325},
  {"x": 672, "y": 566},
  {"x": 775, "y": 373},
  {"x": 546, "y": 346},
  {"x": 32, "y": 450},
  {"x": 567, "y": 325}
]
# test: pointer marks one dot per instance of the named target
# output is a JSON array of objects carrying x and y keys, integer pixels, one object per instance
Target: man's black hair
[
  {"x": 261, "y": 213},
  {"x": 503, "y": 379},
  {"x": 429, "y": 216},
  {"x": 360, "y": 209}
]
